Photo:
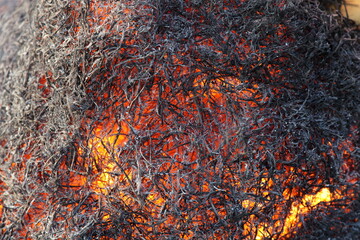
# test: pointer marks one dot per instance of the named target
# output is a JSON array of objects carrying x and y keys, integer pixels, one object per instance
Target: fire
[
  {"x": 109, "y": 139},
  {"x": 101, "y": 151},
  {"x": 292, "y": 221},
  {"x": 154, "y": 133},
  {"x": 297, "y": 209}
]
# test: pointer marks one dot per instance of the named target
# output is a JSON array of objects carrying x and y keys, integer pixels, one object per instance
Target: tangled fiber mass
[{"x": 179, "y": 119}]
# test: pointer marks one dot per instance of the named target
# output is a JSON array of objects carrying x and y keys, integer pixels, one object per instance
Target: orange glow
[
  {"x": 292, "y": 221},
  {"x": 113, "y": 165},
  {"x": 108, "y": 137},
  {"x": 297, "y": 209}
]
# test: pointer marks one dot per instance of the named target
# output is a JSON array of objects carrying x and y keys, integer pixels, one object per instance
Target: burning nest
[{"x": 194, "y": 119}]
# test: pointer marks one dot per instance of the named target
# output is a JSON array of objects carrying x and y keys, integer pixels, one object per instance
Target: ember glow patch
[{"x": 180, "y": 120}]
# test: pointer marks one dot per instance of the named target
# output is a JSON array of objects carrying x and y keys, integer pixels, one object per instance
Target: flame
[
  {"x": 101, "y": 151},
  {"x": 111, "y": 136},
  {"x": 292, "y": 221}
]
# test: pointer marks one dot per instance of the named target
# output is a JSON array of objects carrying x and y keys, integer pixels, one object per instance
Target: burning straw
[{"x": 179, "y": 120}]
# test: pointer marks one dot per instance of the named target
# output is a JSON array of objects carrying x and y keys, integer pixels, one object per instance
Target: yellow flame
[
  {"x": 102, "y": 149},
  {"x": 292, "y": 221},
  {"x": 308, "y": 202}
]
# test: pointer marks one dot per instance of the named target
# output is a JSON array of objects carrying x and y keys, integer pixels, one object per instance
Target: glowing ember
[
  {"x": 186, "y": 128},
  {"x": 292, "y": 221},
  {"x": 109, "y": 139}
]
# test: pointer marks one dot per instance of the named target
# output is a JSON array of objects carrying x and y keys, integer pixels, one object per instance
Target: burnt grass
[{"x": 277, "y": 110}]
